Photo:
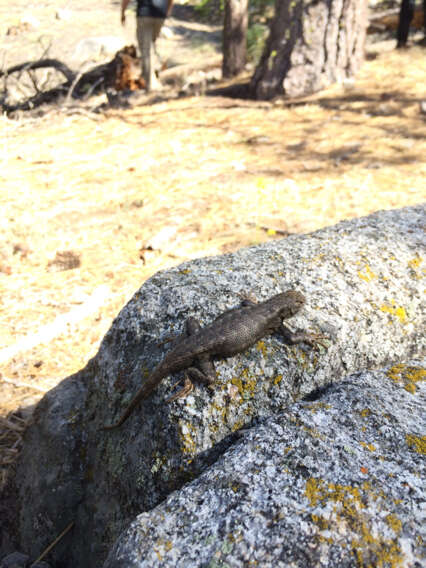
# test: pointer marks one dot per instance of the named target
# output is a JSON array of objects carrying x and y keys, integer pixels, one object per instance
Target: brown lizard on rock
[{"x": 232, "y": 332}]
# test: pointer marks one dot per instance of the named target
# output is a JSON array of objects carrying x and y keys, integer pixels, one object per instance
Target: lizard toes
[
  {"x": 316, "y": 341},
  {"x": 183, "y": 392}
]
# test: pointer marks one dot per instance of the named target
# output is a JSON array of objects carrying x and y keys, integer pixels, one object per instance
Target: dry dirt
[{"x": 85, "y": 196}]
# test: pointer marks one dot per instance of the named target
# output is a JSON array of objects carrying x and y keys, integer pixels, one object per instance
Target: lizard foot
[
  {"x": 184, "y": 391},
  {"x": 315, "y": 339}
]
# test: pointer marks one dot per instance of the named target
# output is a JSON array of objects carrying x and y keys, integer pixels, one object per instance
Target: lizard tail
[{"x": 143, "y": 393}]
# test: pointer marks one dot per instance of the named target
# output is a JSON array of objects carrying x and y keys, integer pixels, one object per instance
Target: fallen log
[
  {"x": 122, "y": 72},
  {"x": 182, "y": 71}
]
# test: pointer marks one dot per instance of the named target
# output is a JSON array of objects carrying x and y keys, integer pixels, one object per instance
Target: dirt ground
[
  {"x": 61, "y": 28},
  {"x": 93, "y": 204}
]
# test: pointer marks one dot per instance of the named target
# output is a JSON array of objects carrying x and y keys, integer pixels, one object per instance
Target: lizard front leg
[
  {"x": 312, "y": 339},
  {"x": 203, "y": 373}
]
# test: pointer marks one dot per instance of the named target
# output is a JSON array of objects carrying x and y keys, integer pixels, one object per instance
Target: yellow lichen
[
  {"x": 238, "y": 425},
  {"x": 397, "y": 311},
  {"x": 394, "y": 523},
  {"x": 315, "y": 406},
  {"x": 313, "y": 432},
  {"x": 349, "y": 513},
  {"x": 245, "y": 388},
  {"x": 418, "y": 443},
  {"x": 415, "y": 262},
  {"x": 370, "y": 447},
  {"x": 261, "y": 346},
  {"x": 365, "y": 412},
  {"x": 367, "y": 274},
  {"x": 278, "y": 379},
  {"x": 186, "y": 435},
  {"x": 406, "y": 376}
]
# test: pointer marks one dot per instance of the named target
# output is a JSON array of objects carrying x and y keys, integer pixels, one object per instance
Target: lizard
[{"x": 230, "y": 333}]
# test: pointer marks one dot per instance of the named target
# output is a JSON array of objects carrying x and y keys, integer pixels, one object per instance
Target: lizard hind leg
[
  {"x": 188, "y": 386},
  {"x": 204, "y": 375},
  {"x": 203, "y": 372}
]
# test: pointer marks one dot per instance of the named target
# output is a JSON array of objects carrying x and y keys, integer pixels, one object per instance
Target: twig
[
  {"x": 11, "y": 426},
  {"x": 23, "y": 385},
  {"x": 72, "y": 87},
  {"x": 93, "y": 87},
  {"x": 45, "y": 49},
  {"x": 54, "y": 543},
  {"x": 41, "y": 64},
  {"x": 34, "y": 81}
]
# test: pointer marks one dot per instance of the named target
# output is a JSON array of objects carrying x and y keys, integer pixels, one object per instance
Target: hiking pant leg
[{"x": 147, "y": 30}]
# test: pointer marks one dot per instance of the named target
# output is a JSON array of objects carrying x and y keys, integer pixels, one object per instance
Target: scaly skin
[{"x": 232, "y": 332}]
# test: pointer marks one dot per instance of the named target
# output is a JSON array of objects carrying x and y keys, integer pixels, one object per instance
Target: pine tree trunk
[
  {"x": 234, "y": 37},
  {"x": 311, "y": 44}
]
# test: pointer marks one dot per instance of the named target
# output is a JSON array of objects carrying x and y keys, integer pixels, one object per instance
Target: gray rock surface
[
  {"x": 15, "y": 560},
  {"x": 332, "y": 482},
  {"x": 362, "y": 279}
]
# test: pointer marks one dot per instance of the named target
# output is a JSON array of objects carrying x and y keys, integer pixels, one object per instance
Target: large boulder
[
  {"x": 362, "y": 280},
  {"x": 336, "y": 481}
]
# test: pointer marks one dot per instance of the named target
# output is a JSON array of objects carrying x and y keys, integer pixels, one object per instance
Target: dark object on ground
[
  {"x": 64, "y": 260},
  {"x": 232, "y": 332},
  {"x": 406, "y": 15},
  {"x": 122, "y": 72}
]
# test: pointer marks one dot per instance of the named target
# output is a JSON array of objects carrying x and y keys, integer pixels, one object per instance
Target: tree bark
[
  {"x": 234, "y": 37},
  {"x": 312, "y": 43}
]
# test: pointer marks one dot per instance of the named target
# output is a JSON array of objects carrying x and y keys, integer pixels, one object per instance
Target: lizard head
[{"x": 289, "y": 303}]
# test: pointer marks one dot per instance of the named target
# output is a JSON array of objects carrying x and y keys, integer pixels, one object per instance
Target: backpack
[{"x": 152, "y": 8}]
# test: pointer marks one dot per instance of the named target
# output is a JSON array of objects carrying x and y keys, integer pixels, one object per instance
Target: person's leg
[
  {"x": 158, "y": 24},
  {"x": 405, "y": 16},
  {"x": 145, "y": 34}
]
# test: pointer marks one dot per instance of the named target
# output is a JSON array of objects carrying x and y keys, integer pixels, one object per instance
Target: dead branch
[
  {"x": 41, "y": 64},
  {"x": 182, "y": 71},
  {"x": 122, "y": 72}
]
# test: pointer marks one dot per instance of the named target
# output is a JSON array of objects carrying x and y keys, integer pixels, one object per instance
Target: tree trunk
[
  {"x": 312, "y": 43},
  {"x": 234, "y": 37},
  {"x": 406, "y": 14}
]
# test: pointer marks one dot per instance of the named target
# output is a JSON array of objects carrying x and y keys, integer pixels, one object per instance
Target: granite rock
[
  {"x": 336, "y": 481},
  {"x": 363, "y": 283}
]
